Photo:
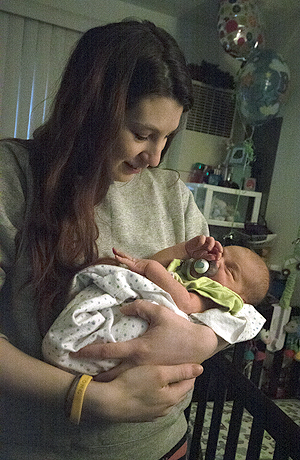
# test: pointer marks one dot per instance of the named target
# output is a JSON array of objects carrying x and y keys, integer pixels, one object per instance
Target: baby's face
[{"x": 235, "y": 268}]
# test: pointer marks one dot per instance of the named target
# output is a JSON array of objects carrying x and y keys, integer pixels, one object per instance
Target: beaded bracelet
[{"x": 75, "y": 396}]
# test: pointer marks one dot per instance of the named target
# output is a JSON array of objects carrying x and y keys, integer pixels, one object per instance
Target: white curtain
[{"x": 32, "y": 57}]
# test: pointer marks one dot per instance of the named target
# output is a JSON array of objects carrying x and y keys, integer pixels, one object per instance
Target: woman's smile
[{"x": 144, "y": 135}]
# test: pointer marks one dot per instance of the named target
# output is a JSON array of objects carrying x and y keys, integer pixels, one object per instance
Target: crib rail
[{"x": 222, "y": 381}]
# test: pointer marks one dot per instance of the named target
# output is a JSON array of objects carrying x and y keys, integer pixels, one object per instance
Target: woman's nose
[
  {"x": 154, "y": 158},
  {"x": 153, "y": 153}
]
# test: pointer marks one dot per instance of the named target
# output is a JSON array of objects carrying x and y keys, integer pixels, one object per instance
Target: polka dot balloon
[{"x": 239, "y": 27}]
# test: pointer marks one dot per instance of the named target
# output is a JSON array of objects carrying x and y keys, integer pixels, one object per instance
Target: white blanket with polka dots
[{"x": 93, "y": 315}]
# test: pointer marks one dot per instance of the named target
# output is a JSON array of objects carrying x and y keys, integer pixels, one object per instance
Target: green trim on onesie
[{"x": 211, "y": 289}]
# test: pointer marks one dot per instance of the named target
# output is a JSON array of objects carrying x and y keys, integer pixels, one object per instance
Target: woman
[{"x": 82, "y": 185}]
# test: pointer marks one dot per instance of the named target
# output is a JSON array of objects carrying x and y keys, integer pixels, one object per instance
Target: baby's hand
[
  {"x": 204, "y": 247},
  {"x": 136, "y": 265}
]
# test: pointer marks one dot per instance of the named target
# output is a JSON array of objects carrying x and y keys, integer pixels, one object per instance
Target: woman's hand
[
  {"x": 141, "y": 394},
  {"x": 137, "y": 395},
  {"x": 169, "y": 340}
]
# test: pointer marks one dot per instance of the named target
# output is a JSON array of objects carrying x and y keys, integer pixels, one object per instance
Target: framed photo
[
  {"x": 237, "y": 156},
  {"x": 250, "y": 184}
]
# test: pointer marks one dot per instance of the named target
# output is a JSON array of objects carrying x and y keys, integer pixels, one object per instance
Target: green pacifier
[{"x": 195, "y": 268}]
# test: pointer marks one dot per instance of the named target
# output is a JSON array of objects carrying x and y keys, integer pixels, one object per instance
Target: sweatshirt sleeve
[
  {"x": 14, "y": 170},
  {"x": 13, "y": 197}
]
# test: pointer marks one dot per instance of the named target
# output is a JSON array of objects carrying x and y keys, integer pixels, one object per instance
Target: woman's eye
[{"x": 139, "y": 137}]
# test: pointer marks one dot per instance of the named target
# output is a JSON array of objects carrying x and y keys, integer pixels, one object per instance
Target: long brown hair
[{"x": 109, "y": 71}]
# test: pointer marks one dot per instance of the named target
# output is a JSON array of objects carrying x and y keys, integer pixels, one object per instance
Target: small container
[
  {"x": 195, "y": 268},
  {"x": 215, "y": 176},
  {"x": 197, "y": 173}
]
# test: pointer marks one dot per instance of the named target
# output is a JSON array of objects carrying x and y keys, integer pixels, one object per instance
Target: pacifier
[{"x": 195, "y": 268}]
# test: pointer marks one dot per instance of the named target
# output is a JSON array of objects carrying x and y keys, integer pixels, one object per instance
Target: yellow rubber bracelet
[{"x": 77, "y": 403}]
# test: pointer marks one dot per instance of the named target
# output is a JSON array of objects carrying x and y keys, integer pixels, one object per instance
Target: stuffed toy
[{"x": 282, "y": 311}]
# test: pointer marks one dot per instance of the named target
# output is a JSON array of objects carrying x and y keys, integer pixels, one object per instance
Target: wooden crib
[{"x": 221, "y": 383}]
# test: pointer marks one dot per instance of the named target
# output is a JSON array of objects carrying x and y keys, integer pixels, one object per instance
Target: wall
[
  {"x": 197, "y": 33},
  {"x": 83, "y": 14},
  {"x": 191, "y": 147},
  {"x": 283, "y": 211}
]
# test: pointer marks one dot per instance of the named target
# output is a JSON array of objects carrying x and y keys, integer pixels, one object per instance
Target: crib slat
[
  {"x": 234, "y": 429},
  {"x": 200, "y": 396},
  {"x": 214, "y": 429},
  {"x": 256, "y": 439},
  {"x": 280, "y": 452}
]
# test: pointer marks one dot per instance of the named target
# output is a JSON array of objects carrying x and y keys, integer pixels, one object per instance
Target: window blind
[{"x": 32, "y": 57}]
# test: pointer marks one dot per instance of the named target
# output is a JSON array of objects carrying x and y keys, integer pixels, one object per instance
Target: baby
[
  {"x": 222, "y": 302},
  {"x": 242, "y": 274}
]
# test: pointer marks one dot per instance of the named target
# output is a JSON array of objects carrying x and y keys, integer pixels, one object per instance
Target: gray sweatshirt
[{"x": 153, "y": 211}]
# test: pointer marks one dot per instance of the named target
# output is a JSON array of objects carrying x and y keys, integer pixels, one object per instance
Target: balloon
[
  {"x": 260, "y": 355},
  {"x": 249, "y": 355},
  {"x": 239, "y": 27},
  {"x": 262, "y": 85},
  {"x": 289, "y": 353}
]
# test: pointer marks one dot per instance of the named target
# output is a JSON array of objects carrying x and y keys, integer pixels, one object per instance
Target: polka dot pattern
[{"x": 94, "y": 314}]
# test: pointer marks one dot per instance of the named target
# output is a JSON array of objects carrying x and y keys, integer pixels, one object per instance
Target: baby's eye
[
  {"x": 229, "y": 270},
  {"x": 232, "y": 272}
]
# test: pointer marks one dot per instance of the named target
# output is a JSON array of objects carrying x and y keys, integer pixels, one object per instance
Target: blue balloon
[{"x": 262, "y": 86}]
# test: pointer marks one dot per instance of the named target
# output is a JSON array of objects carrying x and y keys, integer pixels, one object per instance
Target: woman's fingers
[
  {"x": 142, "y": 393},
  {"x": 182, "y": 372},
  {"x": 116, "y": 350},
  {"x": 148, "y": 392},
  {"x": 146, "y": 310},
  {"x": 120, "y": 350}
]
